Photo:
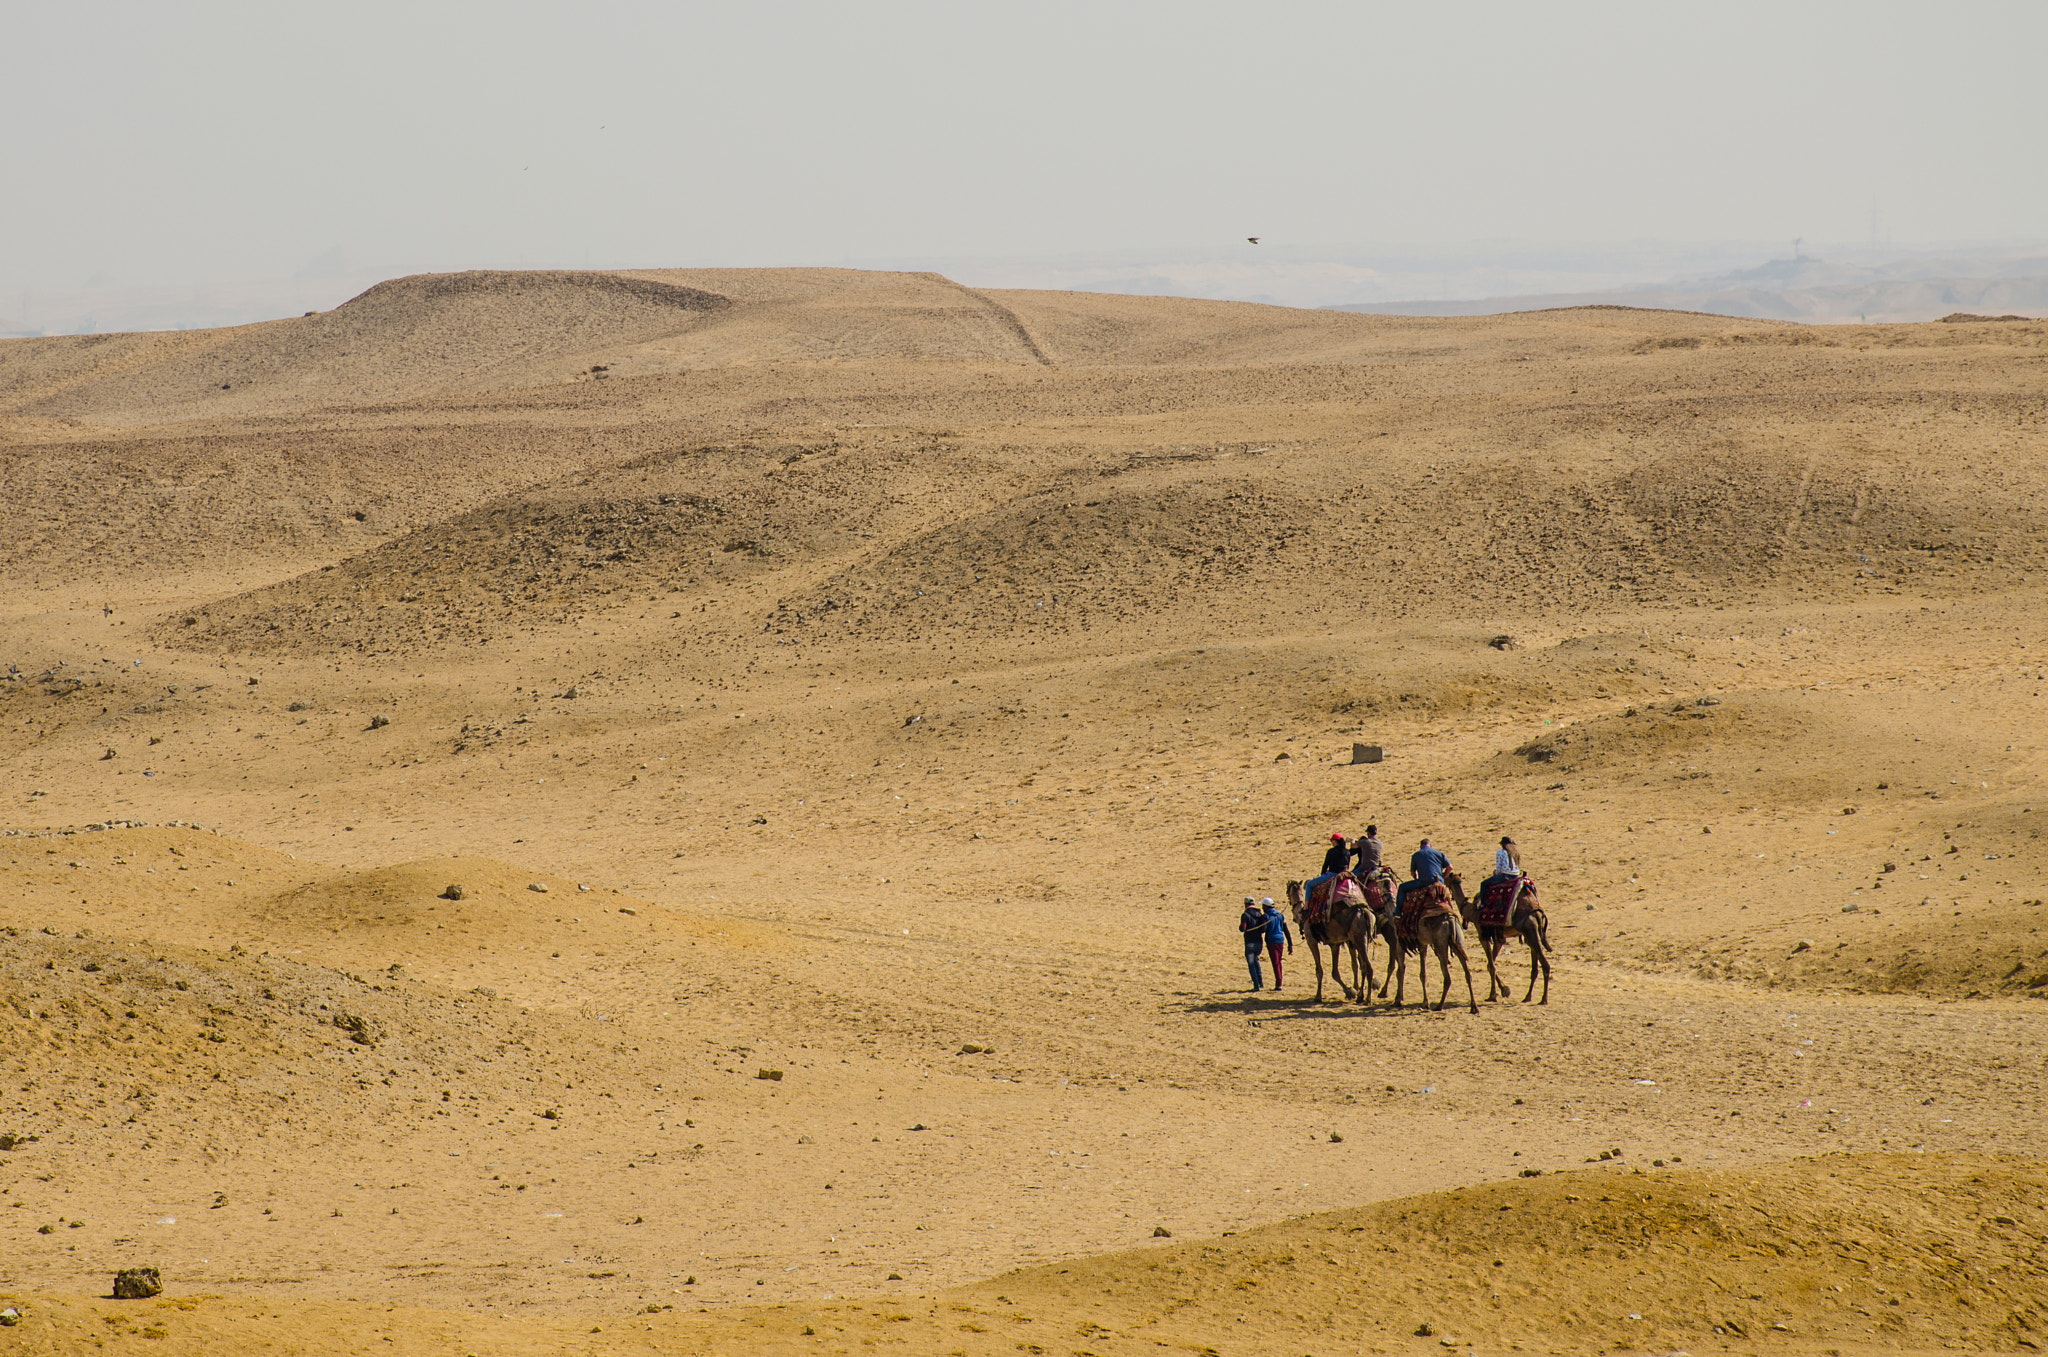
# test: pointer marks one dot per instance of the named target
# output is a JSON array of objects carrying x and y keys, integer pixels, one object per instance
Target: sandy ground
[{"x": 894, "y": 689}]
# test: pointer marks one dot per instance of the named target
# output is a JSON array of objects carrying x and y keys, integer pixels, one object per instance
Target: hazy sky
[{"x": 172, "y": 143}]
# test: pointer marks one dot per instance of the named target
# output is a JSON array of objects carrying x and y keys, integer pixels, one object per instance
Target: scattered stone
[
  {"x": 1505, "y": 642},
  {"x": 776, "y": 1075},
  {"x": 1283, "y": 754},
  {"x": 894, "y": 1277},
  {"x": 1367, "y": 753},
  {"x": 360, "y": 1030},
  {"x": 1336, "y": 1139},
  {"x": 1851, "y": 907},
  {"x": 971, "y": 1049},
  {"x": 622, "y": 908},
  {"x": 1532, "y": 1173},
  {"x": 379, "y": 721},
  {"x": 453, "y": 892},
  {"x": 1161, "y": 1232},
  {"x": 920, "y": 1127},
  {"x": 137, "y": 1283},
  {"x": 9, "y": 1317},
  {"x": 1423, "y": 1330},
  {"x": 538, "y": 887},
  {"x": 1805, "y": 944},
  {"x": 10, "y": 1143}
]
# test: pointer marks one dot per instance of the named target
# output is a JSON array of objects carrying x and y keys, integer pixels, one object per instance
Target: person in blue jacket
[
  {"x": 1277, "y": 933},
  {"x": 1252, "y": 923}
]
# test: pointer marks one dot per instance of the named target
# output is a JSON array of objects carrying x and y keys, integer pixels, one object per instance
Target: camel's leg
[
  {"x": 1393, "y": 963},
  {"x": 1458, "y": 945},
  {"x": 1538, "y": 956},
  {"x": 1397, "y": 971},
  {"x": 1491, "y": 947},
  {"x": 1337, "y": 967},
  {"x": 1442, "y": 947},
  {"x": 1361, "y": 964}
]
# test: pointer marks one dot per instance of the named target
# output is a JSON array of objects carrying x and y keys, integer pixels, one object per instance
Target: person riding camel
[
  {"x": 1337, "y": 857},
  {"x": 1428, "y": 865},
  {"x": 1369, "y": 851},
  {"x": 1425, "y": 869},
  {"x": 1507, "y": 862}
]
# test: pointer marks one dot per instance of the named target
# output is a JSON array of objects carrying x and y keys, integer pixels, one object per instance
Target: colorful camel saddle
[
  {"x": 1502, "y": 894},
  {"x": 1338, "y": 888},
  {"x": 1417, "y": 902},
  {"x": 1379, "y": 888}
]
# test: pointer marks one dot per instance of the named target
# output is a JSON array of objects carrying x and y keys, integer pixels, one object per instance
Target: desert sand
[{"x": 852, "y": 708}]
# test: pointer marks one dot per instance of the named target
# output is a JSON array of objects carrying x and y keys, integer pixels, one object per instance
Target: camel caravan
[{"x": 1357, "y": 899}]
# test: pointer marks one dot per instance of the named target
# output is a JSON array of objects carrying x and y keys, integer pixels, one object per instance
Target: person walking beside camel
[
  {"x": 1252, "y": 923},
  {"x": 1277, "y": 932}
]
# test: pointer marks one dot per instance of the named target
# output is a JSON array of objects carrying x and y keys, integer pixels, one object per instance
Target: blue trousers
[{"x": 1251, "y": 960}]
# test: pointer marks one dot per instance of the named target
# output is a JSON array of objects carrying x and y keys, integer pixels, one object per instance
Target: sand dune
[{"x": 895, "y": 687}]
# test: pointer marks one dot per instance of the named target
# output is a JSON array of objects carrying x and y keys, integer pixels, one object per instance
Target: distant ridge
[{"x": 1890, "y": 301}]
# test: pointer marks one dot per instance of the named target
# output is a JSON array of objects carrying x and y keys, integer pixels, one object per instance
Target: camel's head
[{"x": 1294, "y": 894}]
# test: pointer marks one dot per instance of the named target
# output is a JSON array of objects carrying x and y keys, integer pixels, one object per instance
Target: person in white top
[{"x": 1506, "y": 861}]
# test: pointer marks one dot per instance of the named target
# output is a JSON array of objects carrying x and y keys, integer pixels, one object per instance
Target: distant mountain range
[{"x": 1801, "y": 289}]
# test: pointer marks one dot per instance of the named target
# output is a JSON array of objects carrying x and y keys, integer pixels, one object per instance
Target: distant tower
[{"x": 1797, "y": 241}]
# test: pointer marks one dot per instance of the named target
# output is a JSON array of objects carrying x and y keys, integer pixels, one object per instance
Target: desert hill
[{"x": 895, "y": 687}]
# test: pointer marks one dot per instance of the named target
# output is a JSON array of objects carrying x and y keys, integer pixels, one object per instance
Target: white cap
[{"x": 1267, "y": 901}]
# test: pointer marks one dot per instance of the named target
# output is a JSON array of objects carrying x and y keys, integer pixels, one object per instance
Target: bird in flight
[{"x": 1253, "y": 239}]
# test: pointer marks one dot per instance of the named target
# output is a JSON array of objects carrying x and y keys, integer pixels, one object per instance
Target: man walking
[{"x": 1252, "y": 923}]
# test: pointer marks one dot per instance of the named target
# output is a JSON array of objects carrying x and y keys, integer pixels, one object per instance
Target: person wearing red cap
[{"x": 1338, "y": 857}]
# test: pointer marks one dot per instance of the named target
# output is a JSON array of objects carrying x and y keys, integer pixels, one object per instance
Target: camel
[
  {"x": 1530, "y": 922},
  {"x": 1442, "y": 932},
  {"x": 1346, "y": 927}
]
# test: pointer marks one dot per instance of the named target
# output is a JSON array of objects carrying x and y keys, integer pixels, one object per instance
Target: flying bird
[{"x": 1253, "y": 239}]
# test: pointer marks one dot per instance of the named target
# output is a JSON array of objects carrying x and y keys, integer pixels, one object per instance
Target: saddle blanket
[
  {"x": 1379, "y": 890},
  {"x": 1417, "y": 902},
  {"x": 1322, "y": 892},
  {"x": 1502, "y": 893}
]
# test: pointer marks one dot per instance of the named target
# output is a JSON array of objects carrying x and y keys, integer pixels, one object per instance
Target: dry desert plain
[{"x": 896, "y": 687}]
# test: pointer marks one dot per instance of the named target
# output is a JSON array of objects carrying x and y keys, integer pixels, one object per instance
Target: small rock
[
  {"x": 9, "y": 1317},
  {"x": 624, "y": 909},
  {"x": 1336, "y": 1139},
  {"x": 379, "y": 721},
  {"x": 1851, "y": 907},
  {"x": 1506, "y": 642},
  {"x": 1367, "y": 753},
  {"x": 1423, "y": 1330},
  {"x": 1805, "y": 945},
  {"x": 453, "y": 892},
  {"x": 894, "y": 1277},
  {"x": 360, "y": 1030},
  {"x": 776, "y": 1075},
  {"x": 971, "y": 1049},
  {"x": 920, "y": 1127},
  {"x": 137, "y": 1283},
  {"x": 538, "y": 887}
]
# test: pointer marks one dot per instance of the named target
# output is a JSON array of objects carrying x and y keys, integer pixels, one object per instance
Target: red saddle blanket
[
  {"x": 1334, "y": 890},
  {"x": 1497, "y": 898},
  {"x": 1419, "y": 904},
  {"x": 1379, "y": 890}
]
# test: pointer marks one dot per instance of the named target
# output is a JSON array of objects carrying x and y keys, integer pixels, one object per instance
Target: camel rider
[
  {"x": 1337, "y": 858},
  {"x": 1428, "y": 865},
  {"x": 1507, "y": 862},
  {"x": 1369, "y": 852}
]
